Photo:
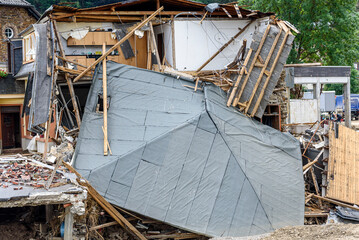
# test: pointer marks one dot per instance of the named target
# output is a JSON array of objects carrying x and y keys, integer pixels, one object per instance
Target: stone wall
[{"x": 17, "y": 18}]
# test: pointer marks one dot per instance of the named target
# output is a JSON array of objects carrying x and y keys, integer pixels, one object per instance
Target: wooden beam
[
  {"x": 118, "y": 44},
  {"x": 303, "y": 65},
  {"x": 173, "y": 43},
  {"x": 72, "y": 71},
  {"x": 103, "y": 225},
  {"x": 149, "y": 52},
  {"x": 106, "y": 205},
  {"x": 70, "y": 61},
  {"x": 264, "y": 69},
  {"x": 126, "y": 13},
  {"x": 336, "y": 202},
  {"x": 311, "y": 163},
  {"x": 234, "y": 90},
  {"x": 68, "y": 80},
  {"x": 78, "y": 17},
  {"x": 223, "y": 47},
  {"x": 236, "y": 100},
  {"x": 104, "y": 95}
]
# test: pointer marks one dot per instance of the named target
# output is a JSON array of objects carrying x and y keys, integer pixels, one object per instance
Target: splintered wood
[{"x": 343, "y": 172}]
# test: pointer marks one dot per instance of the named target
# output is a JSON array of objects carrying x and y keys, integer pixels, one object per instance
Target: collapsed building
[{"x": 171, "y": 125}]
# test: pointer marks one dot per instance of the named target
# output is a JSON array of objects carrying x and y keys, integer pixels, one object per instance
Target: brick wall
[{"x": 18, "y": 19}]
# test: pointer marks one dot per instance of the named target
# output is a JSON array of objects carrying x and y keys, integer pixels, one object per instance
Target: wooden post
[
  {"x": 236, "y": 100},
  {"x": 264, "y": 68},
  {"x": 223, "y": 47},
  {"x": 149, "y": 52},
  {"x": 144, "y": 22},
  {"x": 347, "y": 104},
  {"x": 47, "y": 132},
  {"x": 104, "y": 87},
  {"x": 154, "y": 46},
  {"x": 173, "y": 43}
]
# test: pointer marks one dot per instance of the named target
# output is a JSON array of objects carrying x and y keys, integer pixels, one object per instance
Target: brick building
[{"x": 15, "y": 16}]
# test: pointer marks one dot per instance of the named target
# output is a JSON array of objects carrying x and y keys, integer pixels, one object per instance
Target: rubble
[{"x": 170, "y": 147}]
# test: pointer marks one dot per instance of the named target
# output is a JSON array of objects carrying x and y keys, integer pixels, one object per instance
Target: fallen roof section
[{"x": 184, "y": 158}]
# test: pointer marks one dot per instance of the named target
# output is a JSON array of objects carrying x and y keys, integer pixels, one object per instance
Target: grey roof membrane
[{"x": 184, "y": 158}]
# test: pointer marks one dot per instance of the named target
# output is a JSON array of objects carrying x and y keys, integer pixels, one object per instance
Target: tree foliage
[{"x": 329, "y": 31}]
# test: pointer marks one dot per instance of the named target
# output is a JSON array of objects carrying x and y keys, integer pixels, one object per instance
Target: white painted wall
[
  {"x": 303, "y": 110},
  {"x": 195, "y": 43}
]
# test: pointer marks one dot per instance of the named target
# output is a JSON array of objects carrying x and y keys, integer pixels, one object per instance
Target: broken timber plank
[
  {"x": 238, "y": 97},
  {"x": 264, "y": 69},
  {"x": 336, "y": 202},
  {"x": 69, "y": 70},
  {"x": 48, "y": 183},
  {"x": 103, "y": 225},
  {"x": 106, "y": 205},
  {"x": 223, "y": 47},
  {"x": 234, "y": 90},
  {"x": 310, "y": 163},
  {"x": 144, "y": 22}
]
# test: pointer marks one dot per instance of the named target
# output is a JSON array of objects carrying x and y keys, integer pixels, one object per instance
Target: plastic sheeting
[{"x": 184, "y": 158}]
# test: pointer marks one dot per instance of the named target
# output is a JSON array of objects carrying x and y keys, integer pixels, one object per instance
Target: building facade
[{"x": 15, "y": 16}]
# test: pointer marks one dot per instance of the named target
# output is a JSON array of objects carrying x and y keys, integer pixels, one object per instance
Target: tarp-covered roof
[{"x": 184, "y": 158}]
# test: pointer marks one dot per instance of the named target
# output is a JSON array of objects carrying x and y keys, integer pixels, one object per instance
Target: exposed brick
[{"x": 18, "y": 18}]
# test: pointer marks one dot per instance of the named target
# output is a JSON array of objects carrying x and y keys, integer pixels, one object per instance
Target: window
[
  {"x": 29, "y": 47},
  {"x": 9, "y": 32}
]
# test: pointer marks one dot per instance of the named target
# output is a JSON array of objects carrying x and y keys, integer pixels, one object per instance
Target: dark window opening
[
  {"x": 99, "y": 105},
  {"x": 160, "y": 46},
  {"x": 81, "y": 93}
]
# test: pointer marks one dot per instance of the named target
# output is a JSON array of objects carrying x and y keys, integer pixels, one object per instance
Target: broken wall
[
  {"x": 195, "y": 43},
  {"x": 184, "y": 158}
]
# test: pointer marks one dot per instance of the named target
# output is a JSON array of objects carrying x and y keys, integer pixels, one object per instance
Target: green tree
[{"x": 329, "y": 31}]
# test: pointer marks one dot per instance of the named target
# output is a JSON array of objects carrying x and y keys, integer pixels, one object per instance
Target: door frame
[{"x": 21, "y": 121}]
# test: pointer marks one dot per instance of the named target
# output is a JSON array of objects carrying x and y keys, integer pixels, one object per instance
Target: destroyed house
[
  {"x": 172, "y": 135},
  {"x": 203, "y": 42}
]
